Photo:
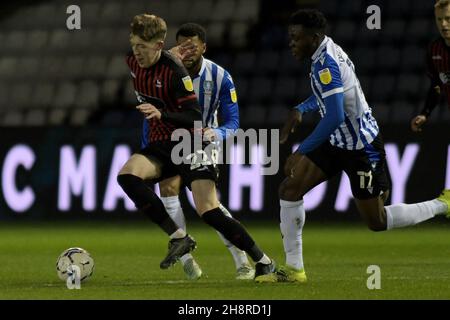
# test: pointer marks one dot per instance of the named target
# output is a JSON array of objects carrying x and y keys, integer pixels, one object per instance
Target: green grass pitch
[{"x": 414, "y": 262}]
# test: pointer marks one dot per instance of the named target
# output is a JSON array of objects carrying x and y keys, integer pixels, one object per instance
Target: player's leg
[
  {"x": 169, "y": 190},
  {"x": 379, "y": 217},
  {"x": 370, "y": 187},
  {"x": 302, "y": 175},
  {"x": 207, "y": 204},
  {"x": 244, "y": 270},
  {"x": 132, "y": 178}
]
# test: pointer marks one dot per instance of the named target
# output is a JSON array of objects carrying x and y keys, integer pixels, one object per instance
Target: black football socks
[
  {"x": 234, "y": 232},
  {"x": 147, "y": 201}
]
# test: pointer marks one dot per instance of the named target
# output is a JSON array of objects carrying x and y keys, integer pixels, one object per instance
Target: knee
[
  {"x": 288, "y": 192},
  {"x": 377, "y": 225},
  {"x": 168, "y": 190},
  {"x": 126, "y": 180}
]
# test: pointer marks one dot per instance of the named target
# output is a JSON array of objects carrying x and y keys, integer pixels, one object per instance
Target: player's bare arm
[{"x": 294, "y": 120}]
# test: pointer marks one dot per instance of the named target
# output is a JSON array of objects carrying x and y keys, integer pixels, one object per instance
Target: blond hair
[
  {"x": 442, "y": 4},
  {"x": 149, "y": 27}
]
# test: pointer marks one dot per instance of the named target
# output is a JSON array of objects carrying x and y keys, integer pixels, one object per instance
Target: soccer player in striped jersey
[
  {"x": 168, "y": 102},
  {"x": 438, "y": 65},
  {"x": 216, "y": 93},
  {"x": 347, "y": 138}
]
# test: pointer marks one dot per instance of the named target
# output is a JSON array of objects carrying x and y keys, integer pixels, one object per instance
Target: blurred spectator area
[{"x": 52, "y": 76}]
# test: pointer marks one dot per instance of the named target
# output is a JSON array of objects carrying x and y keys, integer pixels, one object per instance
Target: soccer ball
[{"x": 78, "y": 257}]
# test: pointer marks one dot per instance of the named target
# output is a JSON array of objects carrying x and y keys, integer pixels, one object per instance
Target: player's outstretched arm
[
  {"x": 294, "y": 120},
  {"x": 430, "y": 104},
  {"x": 295, "y": 117}
]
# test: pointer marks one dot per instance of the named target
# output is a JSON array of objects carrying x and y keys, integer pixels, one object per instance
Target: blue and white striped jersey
[
  {"x": 216, "y": 93},
  {"x": 333, "y": 73}
]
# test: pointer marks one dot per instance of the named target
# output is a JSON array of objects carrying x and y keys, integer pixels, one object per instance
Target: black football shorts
[
  {"x": 197, "y": 165},
  {"x": 366, "y": 168}
]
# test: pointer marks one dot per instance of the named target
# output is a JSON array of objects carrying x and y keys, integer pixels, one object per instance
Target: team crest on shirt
[
  {"x": 208, "y": 87},
  {"x": 325, "y": 76},
  {"x": 187, "y": 81}
]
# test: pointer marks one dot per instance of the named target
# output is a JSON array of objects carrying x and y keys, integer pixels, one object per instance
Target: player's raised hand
[
  {"x": 149, "y": 111},
  {"x": 417, "y": 123},
  {"x": 184, "y": 50},
  {"x": 294, "y": 120}
]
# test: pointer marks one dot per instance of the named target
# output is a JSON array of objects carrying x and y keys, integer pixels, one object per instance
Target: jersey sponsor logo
[
  {"x": 325, "y": 76},
  {"x": 445, "y": 77},
  {"x": 132, "y": 74},
  {"x": 158, "y": 83},
  {"x": 436, "y": 57},
  {"x": 187, "y": 81},
  {"x": 233, "y": 95},
  {"x": 208, "y": 86}
]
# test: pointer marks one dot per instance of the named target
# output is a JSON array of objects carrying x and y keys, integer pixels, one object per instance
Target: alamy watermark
[
  {"x": 74, "y": 277},
  {"x": 374, "y": 280},
  {"x": 195, "y": 149}
]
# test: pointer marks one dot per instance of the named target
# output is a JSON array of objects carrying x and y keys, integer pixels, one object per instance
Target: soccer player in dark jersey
[
  {"x": 347, "y": 138},
  {"x": 216, "y": 94},
  {"x": 169, "y": 103},
  {"x": 438, "y": 65}
]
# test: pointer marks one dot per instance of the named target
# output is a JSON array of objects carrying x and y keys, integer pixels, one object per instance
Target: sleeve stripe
[{"x": 331, "y": 92}]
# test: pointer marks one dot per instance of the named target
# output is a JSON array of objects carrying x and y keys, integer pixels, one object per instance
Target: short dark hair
[
  {"x": 191, "y": 30},
  {"x": 309, "y": 18}
]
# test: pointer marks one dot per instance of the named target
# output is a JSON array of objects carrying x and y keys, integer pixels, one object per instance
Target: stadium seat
[
  {"x": 43, "y": 94},
  {"x": 397, "y": 8},
  {"x": 223, "y": 10},
  {"x": 4, "y": 96},
  {"x": 408, "y": 85},
  {"x": 35, "y": 117},
  {"x": 20, "y": 95},
  {"x": 419, "y": 30},
  {"x": 267, "y": 62},
  {"x": 276, "y": 115},
  {"x": 8, "y": 67},
  {"x": 201, "y": 11},
  {"x": 413, "y": 59},
  {"x": 111, "y": 12},
  {"x": 383, "y": 87},
  {"x": 65, "y": 95},
  {"x": 248, "y": 10},
  {"x": 57, "y": 116},
  {"x": 238, "y": 34},
  {"x": 402, "y": 112},
  {"x": 253, "y": 115},
  {"x": 54, "y": 67},
  {"x": 285, "y": 90},
  {"x": 215, "y": 34},
  {"x": 12, "y": 118},
  {"x": 59, "y": 39},
  {"x": 345, "y": 32},
  {"x": 15, "y": 40},
  {"x": 88, "y": 95},
  {"x": 79, "y": 117},
  {"x": 244, "y": 63},
  {"x": 37, "y": 39},
  {"x": 261, "y": 89},
  {"x": 388, "y": 58},
  {"x": 394, "y": 30},
  {"x": 73, "y": 67},
  {"x": 363, "y": 58},
  {"x": 179, "y": 10}
]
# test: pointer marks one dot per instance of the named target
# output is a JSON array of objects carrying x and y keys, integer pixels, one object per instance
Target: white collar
[{"x": 320, "y": 48}]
